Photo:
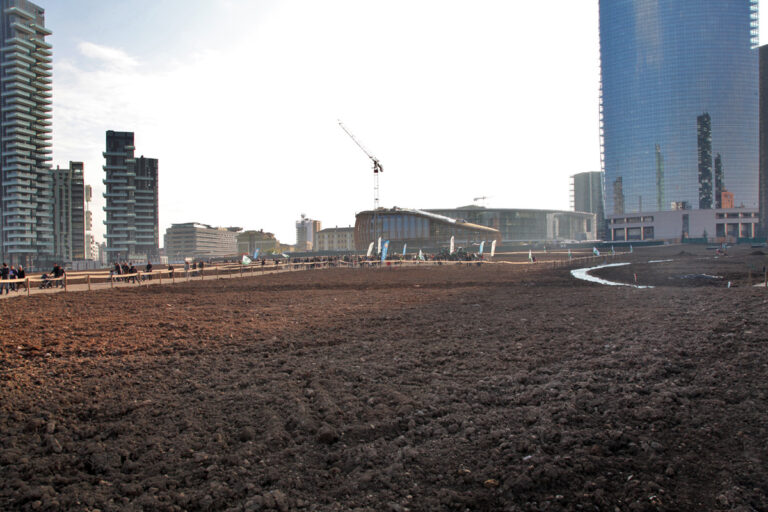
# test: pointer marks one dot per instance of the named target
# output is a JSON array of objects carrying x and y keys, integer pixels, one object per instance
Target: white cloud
[{"x": 113, "y": 58}]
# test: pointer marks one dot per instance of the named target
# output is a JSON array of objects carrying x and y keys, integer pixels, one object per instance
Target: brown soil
[{"x": 513, "y": 387}]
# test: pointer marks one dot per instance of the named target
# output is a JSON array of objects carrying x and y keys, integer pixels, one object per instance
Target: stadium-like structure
[{"x": 418, "y": 229}]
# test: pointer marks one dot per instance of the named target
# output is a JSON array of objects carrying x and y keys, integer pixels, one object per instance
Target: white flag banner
[
  {"x": 530, "y": 255},
  {"x": 246, "y": 260},
  {"x": 370, "y": 250},
  {"x": 451, "y": 251},
  {"x": 493, "y": 248},
  {"x": 378, "y": 247}
]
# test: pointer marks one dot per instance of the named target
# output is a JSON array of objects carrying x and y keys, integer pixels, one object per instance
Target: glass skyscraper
[{"x": 679, "y": 103}]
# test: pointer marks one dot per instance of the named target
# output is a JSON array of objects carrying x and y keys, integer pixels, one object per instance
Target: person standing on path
[
  {"x": 21, "y": 274},
  {"x": 4, "y": 273}
]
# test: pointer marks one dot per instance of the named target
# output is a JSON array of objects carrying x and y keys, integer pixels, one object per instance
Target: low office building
[
  {"x": 335, "y": 239},
  {"x": 249, "y": 241},
  {"x": 199, "y": 241},
  {"x": 720, "y": 225},
  {"x": 418, "y": 229},
  {"x": 523, "y": 226}
]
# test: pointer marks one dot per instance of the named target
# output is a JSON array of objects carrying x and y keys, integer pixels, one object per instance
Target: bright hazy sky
[{"x": 239, "y": 100}]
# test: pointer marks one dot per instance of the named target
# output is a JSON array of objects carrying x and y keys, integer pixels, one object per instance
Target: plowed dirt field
[{"x": 506, "y": 387}]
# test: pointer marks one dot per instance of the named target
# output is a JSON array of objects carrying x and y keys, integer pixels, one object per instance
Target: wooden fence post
[
  {"x": 65, "y": 282},
  {"x": 27, "y": 287},
  {"x": 89, "y": 282}
]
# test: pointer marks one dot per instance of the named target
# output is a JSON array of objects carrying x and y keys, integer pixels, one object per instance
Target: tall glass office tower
[{"x": 679, "y": 103}]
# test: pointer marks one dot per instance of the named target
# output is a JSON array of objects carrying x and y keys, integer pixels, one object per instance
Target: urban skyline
[
  {"x": 350, "y": 192},
  {"x": 460, "y": 117}
]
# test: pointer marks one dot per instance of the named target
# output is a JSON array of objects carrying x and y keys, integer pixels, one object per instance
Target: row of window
[
  {"x": 631, "y": 220},
  {"x": 644, "y": 233},
  {"x": 737, "y": 215}
]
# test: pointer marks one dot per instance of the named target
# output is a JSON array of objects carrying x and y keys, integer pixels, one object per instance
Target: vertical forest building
[
  {"x": 26, "y": 209},
  {"x": 132, "y": 201}
]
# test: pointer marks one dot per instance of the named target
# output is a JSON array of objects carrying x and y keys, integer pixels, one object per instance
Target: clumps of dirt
[
  {"x": 453, "y": 388},
  {"x": 685, "y": 254},
  {"x": 757, "y": 253}
]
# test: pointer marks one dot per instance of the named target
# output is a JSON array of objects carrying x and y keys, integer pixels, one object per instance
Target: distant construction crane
[
  {"x": 479, "y": 198},
  {"x": 377, "y": 167}
]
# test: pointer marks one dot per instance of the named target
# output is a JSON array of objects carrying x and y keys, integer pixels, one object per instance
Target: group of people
[
  {"x": 9, "y": 273},
  {"x": 195, "y": 266},
  {"x": 130, "y": 274},
  {"x": 123, "y": 272}
]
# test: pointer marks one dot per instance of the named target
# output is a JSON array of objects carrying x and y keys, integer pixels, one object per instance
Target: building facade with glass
[
  {"x": 518, "y": 226},
  {"x": 417, "y": 229},
  {"x": 679, "y": 104}
]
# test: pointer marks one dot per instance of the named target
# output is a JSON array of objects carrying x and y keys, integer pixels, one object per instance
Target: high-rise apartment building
[
  {"x": 26, "y": 209},
  {"x": 704, "y": 140},
  {"x": 91, "y": 251},
  {"x": 587, "y": 196},
  {"x": 133, "y": 230},
  {"x": 679, "y": 84},
  {"x": 306, "y": 233},
  {"x": 69, "y": 212},
  {"x": 78, "y": 210}
]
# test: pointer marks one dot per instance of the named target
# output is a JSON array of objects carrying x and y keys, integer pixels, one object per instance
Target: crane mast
[{"x": 377, "y": 167}]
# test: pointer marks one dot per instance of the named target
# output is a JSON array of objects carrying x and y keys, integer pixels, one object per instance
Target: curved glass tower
[{"x": 679, "y": 103}]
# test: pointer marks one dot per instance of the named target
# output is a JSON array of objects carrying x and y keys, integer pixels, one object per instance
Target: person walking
[
  {"x": 58, "y": 272},
  {"x": 132, "y": 271},
  {"x": 4, "y": 273},
  {"x": 148, "y": 270},
  {"x": 21, "y": 274}
]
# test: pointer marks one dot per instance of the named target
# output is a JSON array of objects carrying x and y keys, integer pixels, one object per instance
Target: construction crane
[
  {"x": 479, "y": 198},
  {"x": 377, "y": 167}
]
